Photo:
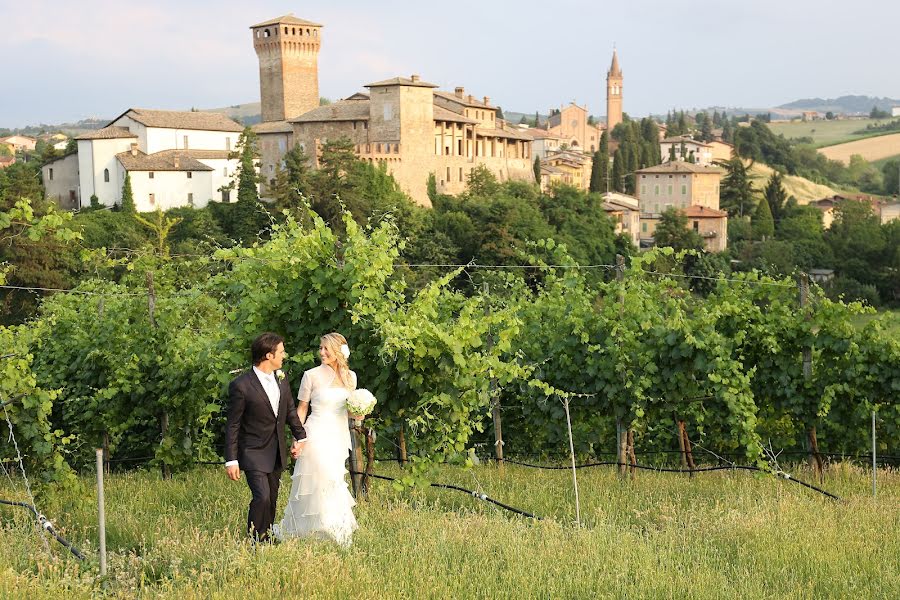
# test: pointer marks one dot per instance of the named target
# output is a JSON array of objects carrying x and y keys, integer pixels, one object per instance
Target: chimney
[
  {"x": 134, "y": 149},
  {"x": 487, "y": 100},
  {"x": 471, "y": 98},
  {"x": 414, "y": 77},
  {"x": 177, "y": 162},
  {"x": 459, "y": 92}
]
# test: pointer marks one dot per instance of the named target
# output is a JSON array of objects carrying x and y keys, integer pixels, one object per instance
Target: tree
[
  {"x": 160, "y": 226},
  {"x": 523, "y": 120},
  {"x": 537, "y": 170},
  {"x": 776, "y": 196},
  {"x": 499, "y": 113},
  {"x": 291, "y": 181},
  {"x": 727, "y": 131},
  {"x": 877, "y": 113},
  {"x": 829, "y": 116},
  {"x": 482, "y": 182},
  {"x": 763, "y": 225},
  {"x": 600, "y": 166},
  {"x": 736, "y": 189},
  {"x": 247, "y": 218},
  {"x": 618, "y": 172},
  {"x": 673, "y": 231},
  {"x": 128, "y": 196},
  {"x": 891, "y": 177},
  {"x": 537, "y": 119}
]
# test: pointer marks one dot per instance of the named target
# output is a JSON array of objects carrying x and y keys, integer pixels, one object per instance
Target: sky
[{"x": 63, "y": 61}]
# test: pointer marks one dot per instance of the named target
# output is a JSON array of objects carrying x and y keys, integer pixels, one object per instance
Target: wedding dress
[{"x": 320, "y": 503}]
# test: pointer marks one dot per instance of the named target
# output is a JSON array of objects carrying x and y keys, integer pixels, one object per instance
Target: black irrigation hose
[
  {"x": 665, "y": 470},
  {"x": 47, "y": 525},
  {"x": 472, "y": 493}
]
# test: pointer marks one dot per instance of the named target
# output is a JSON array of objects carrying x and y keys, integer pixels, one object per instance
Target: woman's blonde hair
[{"x": 333, "y": 342}]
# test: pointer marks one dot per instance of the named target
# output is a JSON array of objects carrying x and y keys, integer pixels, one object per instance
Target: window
[
  {"x": 669, "y": 190},
  {"x": 460, "y": 174},
  {"x": 643, "y": 190},
  {"x": 228, "y": 144},
  {"x": 696, "y": 225},
  {"x": 656, "y": 190},
  {"x": 106, "y": 175},
  {"x": 150, "y": 175},
  {"x": 226, "y": 196},
  {"x": 152, "y": 199},
  {"x": 51, "y": 174},
  {"x": 448, "y": 174},
  {"x": 644, "y": 227},
  {"x": 271, "y": 168},
  {"x": 185, "y": 142},
  {"x": 190, "y": 199},
  {"x": 225, "y": 172},
  {"x": 683, "y": 189},
  {"x": 190, "y": 175}
]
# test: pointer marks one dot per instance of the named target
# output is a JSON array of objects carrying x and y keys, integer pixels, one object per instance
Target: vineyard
[{"x": 642, "y": 357}]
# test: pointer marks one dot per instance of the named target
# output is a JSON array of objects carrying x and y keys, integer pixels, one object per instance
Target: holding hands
[{"x": 297, "y": 448}]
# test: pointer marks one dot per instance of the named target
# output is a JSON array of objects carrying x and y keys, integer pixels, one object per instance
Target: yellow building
[
  {"x": 691, "y": 188},
  {"x": 568, "y": 167}
]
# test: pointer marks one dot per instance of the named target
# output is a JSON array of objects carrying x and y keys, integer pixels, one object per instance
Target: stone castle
[{"x": 406, "y": 123}]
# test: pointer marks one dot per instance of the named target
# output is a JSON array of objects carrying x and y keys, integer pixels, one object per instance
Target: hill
[
  {"x": 827, "y": 133},
  {"x": 246, "y": 114},
  {"x": 844, "y": 104},
  {"x": 804, "y": 190}
]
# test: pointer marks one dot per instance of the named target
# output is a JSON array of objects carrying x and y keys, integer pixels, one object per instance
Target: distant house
[
  {"x": 709, "y": 223},
  {"x": 174, "y": 159},
  {"x": 574, "y": 166},
  {"x": 5, "y": 161},
  {"x": 20, "y": 142},
  {"x": 895, "y": 111},
  {"x": 61, "y": 183},
  {"x": 890, "y": 212},
  {"x": 683, "y": 147},
  {"x": 544, "y": 142},
  {"x": 721, "y": 150},
  {"x": 821, "y": 275},
  {"x": 625, "y": 212},
  {"x": 809, "y": 115}
]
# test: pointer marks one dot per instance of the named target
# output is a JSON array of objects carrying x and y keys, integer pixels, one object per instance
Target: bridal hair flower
[{"x": 345, "y": 350}]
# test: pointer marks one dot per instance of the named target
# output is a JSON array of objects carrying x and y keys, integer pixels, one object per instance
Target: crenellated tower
[
  {"x": 288, "y": 52},
  {"x": 613, "y": 93}
]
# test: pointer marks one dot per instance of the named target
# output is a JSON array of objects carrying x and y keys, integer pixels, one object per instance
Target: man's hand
[
  {"x": 297, "y": 449},
  {"x": 234, "y": 472}
]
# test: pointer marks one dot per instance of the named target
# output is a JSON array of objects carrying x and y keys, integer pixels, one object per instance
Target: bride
[{"x": 320, "y": 503}]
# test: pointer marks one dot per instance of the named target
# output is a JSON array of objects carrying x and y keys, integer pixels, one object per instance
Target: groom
[{"x": 259, "y": 404}]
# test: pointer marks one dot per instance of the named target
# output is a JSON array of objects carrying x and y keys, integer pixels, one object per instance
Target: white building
[
  {"x": 174, "y": 159},
  {"x": 684, "y": 146},
  {"x": 895, "y": 111}
]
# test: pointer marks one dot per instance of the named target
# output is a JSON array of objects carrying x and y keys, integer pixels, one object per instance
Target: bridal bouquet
[{"x": 361, "y": 402}]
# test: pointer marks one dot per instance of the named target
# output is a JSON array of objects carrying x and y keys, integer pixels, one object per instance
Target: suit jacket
[{"x": 254, "y": 435}]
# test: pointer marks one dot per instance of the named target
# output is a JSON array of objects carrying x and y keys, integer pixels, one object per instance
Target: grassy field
[
  {"x": 826, "y": 133},
  {"x": 891, "y": 319},
  {"x": 871, "y": 149},
  {"x": 719, "y": 535}
]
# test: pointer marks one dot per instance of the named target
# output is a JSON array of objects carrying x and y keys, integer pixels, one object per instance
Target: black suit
[{"x": 254, "y": 436}]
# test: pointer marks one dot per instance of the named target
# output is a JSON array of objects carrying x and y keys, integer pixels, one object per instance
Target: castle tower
[
  {"x": 288, "y": 51},
  {"x": 614, "y": 94}
]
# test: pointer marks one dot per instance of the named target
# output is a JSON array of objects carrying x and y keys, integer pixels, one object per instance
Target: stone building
[
  {"x": 625, "y": 212},
  {"x": 406, "y": 123},
  {"x": 691, "y": 188},
  {"x": 61, "y": 183}
]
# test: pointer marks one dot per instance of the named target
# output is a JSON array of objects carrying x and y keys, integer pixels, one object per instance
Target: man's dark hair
[{"x": 263, "y": 344}]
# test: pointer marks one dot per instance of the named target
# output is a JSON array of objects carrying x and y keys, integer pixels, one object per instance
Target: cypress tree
[
  {"x": 537, "y": 170},
  {"x": 618, "y": 172},
  {"x": 762, "y": 225},
  {"x": 127, "y": 196}
]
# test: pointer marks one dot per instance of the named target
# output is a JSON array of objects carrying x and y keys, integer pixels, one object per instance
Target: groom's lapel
[{"x": 260, "y": 390}]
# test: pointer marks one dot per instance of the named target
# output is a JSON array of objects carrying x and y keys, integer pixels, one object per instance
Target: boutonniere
[{"x": 279, "y": 374}]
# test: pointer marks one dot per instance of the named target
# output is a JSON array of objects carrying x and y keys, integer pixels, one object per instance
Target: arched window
[
  {"x": 267, "y": 33},
  {"x": 106, "y": 175},
  {"x": 285, "y": 31}
]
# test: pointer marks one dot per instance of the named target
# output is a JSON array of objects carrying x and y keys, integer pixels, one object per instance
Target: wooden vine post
[
  {"x": 493, "y": 397},
  {"x": 401, "y": 445},
  {"x": 356, "y": 457},
  {"x": 164, "y": 416},
  {"x": 105, "y": 441},
  {"x": 816, "y": 463},
  {"x": 624, "y": 437}
]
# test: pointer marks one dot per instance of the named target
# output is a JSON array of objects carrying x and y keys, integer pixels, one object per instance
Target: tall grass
[{"x": 718, "y": 535}]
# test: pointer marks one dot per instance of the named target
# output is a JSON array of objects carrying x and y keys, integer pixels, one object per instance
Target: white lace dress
[{"x": 320, "y": 503}]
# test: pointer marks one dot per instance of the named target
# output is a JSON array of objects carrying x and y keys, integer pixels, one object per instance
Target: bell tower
[
  {"x": 288, "y": 52},
  {"x": 613, "y": 93}
]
